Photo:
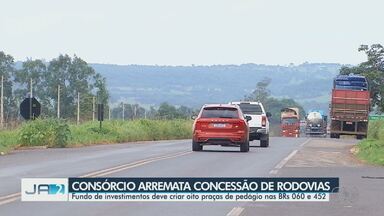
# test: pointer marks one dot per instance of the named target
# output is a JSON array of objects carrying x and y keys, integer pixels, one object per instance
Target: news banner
[{"x": 178, "y": 189}]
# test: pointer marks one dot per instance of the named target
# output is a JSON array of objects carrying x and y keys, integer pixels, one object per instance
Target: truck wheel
[
  {"x": 244, "y": 147},
  {"x": 196, "y": 146},
  {"x": 264, "y": 141}
]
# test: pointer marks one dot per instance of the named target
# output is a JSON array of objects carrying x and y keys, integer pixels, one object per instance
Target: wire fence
[{"x": 74, "y": 107}]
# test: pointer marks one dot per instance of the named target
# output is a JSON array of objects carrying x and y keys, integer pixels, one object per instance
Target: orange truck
[{"x": 290, "y": 122}]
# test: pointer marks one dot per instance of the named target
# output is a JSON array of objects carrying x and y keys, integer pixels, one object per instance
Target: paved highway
[{"x": 362, "y": 185}]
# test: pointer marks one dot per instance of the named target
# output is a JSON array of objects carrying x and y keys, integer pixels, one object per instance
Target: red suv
[{"x": 221, "y": 124}]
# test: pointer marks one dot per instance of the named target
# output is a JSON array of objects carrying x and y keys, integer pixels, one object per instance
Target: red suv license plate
[{"x": 219, "y": 125}]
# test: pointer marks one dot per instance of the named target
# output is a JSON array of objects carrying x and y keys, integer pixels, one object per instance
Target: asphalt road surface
[{"x": 362, "y": 186}]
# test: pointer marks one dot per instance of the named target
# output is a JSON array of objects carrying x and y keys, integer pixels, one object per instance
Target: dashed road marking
[
  {"x": 273, "y": 172},
  {"x": 304, "y": 143},
  {"x": 285, "y": 160},
  {"x": 119, "y": 168},
  {"x": 236, "y": 211}
]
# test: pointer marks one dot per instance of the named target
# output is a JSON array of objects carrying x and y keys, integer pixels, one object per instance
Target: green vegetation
[
  {"x": 127, "y": 131},
  {"x": 59, "y": 133},
  {"x": 8, "y": 140},
  {"x": 72, "y": 74},
  {"x": 47, "y": 132},
  {"x": 372, "y": 148},
  {"x": 373, "y": 70}
]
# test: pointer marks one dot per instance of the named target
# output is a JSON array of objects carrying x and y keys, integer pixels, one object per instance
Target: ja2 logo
[{"x": 47, "y": 188}]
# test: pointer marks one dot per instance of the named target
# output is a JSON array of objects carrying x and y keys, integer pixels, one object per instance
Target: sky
[{"x": 199, "y": 32}]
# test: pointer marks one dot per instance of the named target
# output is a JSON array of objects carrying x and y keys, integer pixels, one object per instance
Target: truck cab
[{"x": 290, "y": 122}]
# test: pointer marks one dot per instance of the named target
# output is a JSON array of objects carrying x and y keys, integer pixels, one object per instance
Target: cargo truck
[
  {"x": 316, "y": 123},
  {"x": 350, "y": 106},
  {"x": 290, "y": 122}
]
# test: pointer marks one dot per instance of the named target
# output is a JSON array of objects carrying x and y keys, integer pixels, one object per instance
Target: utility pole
[
  {"x": 30, "y": 101},
  {"x": 2, "y": 103},
  {"x": 134, "y": 111},
  {"x": 123, "y": 111},
  {"x": 58, "y": 101},
  {"x": 78, "y": 108},
  {"x": 93, "y": 108},
  {"x": 109, "y": 112}
]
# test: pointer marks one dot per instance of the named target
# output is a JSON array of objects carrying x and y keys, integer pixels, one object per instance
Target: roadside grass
[
  {"x": 8, "y": 140},
  {"x": 58, "y": 133},
  {"x": 129, "y": 131},
  {"x": 372, "y": 148}
]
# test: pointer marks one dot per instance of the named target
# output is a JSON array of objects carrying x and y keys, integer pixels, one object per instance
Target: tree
[
  {"x": 271, "y": 104},
  {"x": 7, "y": 71},
  {"x": 35, "y": 70},
  {"x": 74, "y": 76},
  {"x": 167, "y": 111},
  {"x": 261, "y": 93},
  {"x": 373, "y": 70}
]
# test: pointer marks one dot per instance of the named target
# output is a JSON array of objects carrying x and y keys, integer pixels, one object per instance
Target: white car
[{"x": 259, "y": 124}]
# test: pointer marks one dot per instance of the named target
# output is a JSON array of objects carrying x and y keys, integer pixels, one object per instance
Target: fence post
[
  {"x": 2, "y": 103},
  {"x": 78, "y": 108}
]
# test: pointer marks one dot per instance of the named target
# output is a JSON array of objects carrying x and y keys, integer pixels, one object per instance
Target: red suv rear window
[{"x": 220, "y": 112}]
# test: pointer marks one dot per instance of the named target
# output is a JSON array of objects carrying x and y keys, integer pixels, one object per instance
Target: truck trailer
[
  {"x": 316, "y": 123},
  {"x": 350, "y": 106}
]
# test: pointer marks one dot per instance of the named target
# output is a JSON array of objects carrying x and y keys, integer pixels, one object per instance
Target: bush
[
  {"x": 375, "y": 130},
  {"x": 372, "y": 148},
  {"x": 8, "y": 140},
  {"x": 45, "y": 132}
]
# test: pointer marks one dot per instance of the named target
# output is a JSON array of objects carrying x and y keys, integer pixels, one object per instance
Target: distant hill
[{"x": 310, "y": 84}]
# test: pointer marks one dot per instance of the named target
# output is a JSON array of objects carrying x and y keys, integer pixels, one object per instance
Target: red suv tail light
[
  {"x": 239, "y": 125},
  {"x": 201, "y": 125},
  {"x": 263, "y": 121}
]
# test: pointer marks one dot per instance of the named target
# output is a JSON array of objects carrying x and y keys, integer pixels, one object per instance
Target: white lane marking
[
  {"x": 10, "y": 196},
  {"x": 133, "y": 164},
  {"x": 304, "y": 143},
  {"x": 9, "y": 200},
  {"x": 16, "y": 196},
  {"x": 236, "y": 211},
  {"x": 285, "y": 160},
  {"x": 273, "y": 172}
]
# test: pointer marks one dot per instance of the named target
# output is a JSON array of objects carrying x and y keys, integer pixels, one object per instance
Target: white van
[{"x": 259, "y": 124}]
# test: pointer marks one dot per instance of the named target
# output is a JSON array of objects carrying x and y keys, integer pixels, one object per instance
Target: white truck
[{"x": 259, "y": 124}]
